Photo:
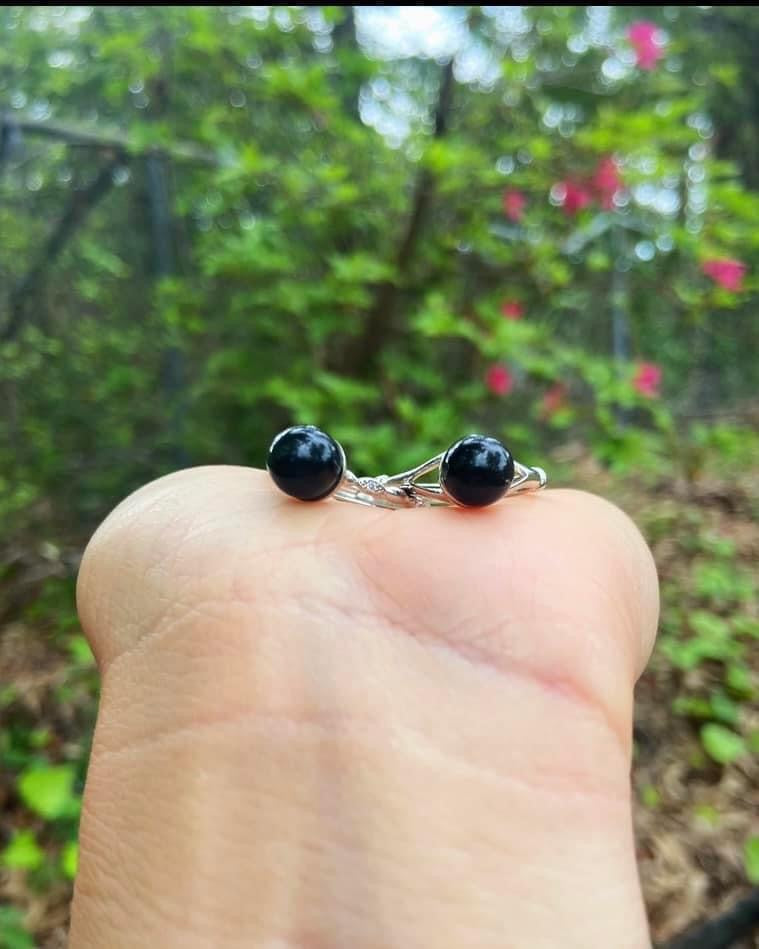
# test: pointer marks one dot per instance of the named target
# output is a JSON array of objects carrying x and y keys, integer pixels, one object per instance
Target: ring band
[{"x": 475, "y": 471}]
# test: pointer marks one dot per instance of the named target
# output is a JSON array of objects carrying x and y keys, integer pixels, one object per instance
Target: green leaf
[
  {"x": 23, "y": 852},
  {"x": 649, "y": 796},
  {"x": 738, "y": 680},
  {"x": 360, "y": 268},
  {"x": 39, "y": 737},
  {"x": 13, "y": 934},
  {"x": 70, "y": 859},
  {"x": 721, "y": 744},
  {"x": 722, "y": 583},
  {"x": 80, "y": 652},
  {"x": 8, "y": 694},
  {"x": 723, "y": 709},
  {"x": 707, "y": 813},
  {"x": 751, "y": 859},
  {"x": 103, "y": 259},
  {"x": 718, "y": 546},
  {"x": 48, "y": 791},
  {"x": 709, "y": 626},
  {"x": 746, "y": 626},
  {"x": 692, "y": 706}
]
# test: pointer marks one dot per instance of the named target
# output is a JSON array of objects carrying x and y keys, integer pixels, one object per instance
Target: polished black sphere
[
  {"x": 476, "y": 471},
  {"x": 305, "y": 463}
]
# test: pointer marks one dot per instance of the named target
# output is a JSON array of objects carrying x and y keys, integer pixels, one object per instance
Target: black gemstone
[
  {"x": 477, "y": 470},
  {"x": 305, "y": 463}
]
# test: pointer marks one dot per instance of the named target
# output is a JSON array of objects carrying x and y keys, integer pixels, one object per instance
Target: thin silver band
[{"x": 403, "y": 491}]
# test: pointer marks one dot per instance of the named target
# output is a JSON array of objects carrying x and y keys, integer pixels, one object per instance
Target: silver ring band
[{"x": 403, "y": 491}]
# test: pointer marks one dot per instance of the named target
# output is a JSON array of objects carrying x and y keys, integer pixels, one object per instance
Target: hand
[{"x": 325, "y": 726}]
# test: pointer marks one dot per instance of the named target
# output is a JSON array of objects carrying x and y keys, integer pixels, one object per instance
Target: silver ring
[{"x": 474, "y": 471}]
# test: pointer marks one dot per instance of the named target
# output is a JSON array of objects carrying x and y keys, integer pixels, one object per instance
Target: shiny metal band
[{"x": 404, "y": 491}]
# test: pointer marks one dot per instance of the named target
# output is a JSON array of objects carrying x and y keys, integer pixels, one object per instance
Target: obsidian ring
[{"x": 475, "y": 471}]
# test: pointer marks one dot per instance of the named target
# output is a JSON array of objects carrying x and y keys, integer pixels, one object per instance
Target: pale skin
[{"x": 326, "y": 726}]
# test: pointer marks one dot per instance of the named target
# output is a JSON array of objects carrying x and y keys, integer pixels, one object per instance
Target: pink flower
[
  {"x": 642, "y": 37},
  {"x": 554, "y": 399},
  {"x": 647, "y": 379},
  {"x": 499, "y": 380},
  {"x": 573, "y": 197},
  {"x": 607, "y": 181},
  {"x": 512, "y": 310},
  {"x": 514, "y": 203},
  {"x": 727, "y": 273}
]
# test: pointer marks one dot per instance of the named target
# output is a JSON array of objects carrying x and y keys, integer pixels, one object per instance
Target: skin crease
[{"x": 327, "y": 726}]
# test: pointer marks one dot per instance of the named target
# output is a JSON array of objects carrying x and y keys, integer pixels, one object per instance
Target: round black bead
[
  {"x": 305, "y": 463},
  {"x": 477, "y": 470}
]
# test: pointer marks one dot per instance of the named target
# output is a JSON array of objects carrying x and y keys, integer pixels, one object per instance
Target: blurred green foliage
[
  {"x": 13, "y": 935},
  {"x": 337, "y": 249},
  {"x": 752, "y": 859},
  {"x": 709, "y": 629},
  {"x": 217, "y": 221}
]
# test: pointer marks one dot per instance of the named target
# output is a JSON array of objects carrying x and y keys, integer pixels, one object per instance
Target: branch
[
  {"x": 79, "y": 206},
  {"x": 10, "y": 139},
  {"x": 425, "y": 183},
  {"x": 348, "y": 78},
  {"x": 94, "y": 138},
  {"x": 380, "y": 317}
]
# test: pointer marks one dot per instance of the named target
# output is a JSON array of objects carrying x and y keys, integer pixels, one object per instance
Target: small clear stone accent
[{"x": 371, "y": 484}]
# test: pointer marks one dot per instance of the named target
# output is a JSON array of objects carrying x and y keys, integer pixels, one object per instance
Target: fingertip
[
  {"x": 123, "y": 563},
  {"x": 620, "y": 539}
]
